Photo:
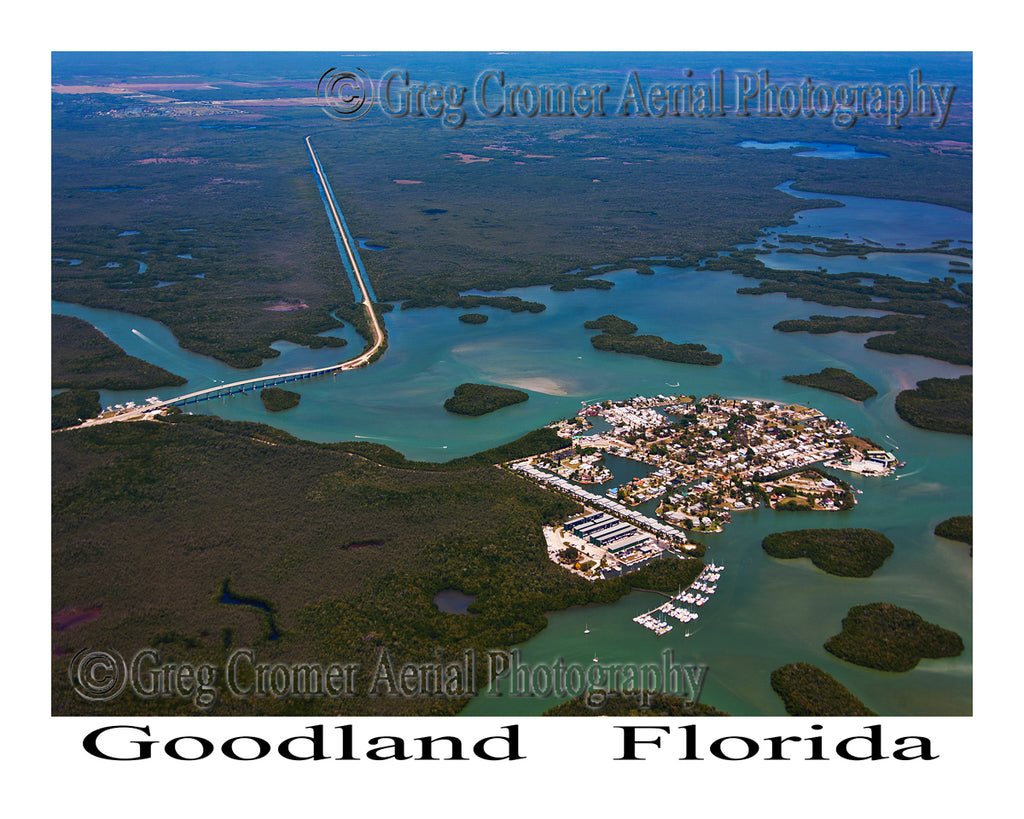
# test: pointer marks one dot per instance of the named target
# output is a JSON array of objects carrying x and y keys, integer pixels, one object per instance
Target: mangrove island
[
  {"x": 617, "y": 336},
  {"x": 842, "y": 552},
  {"x": 276, "y": 399},
  {"x": 836, "y": 380},
  {"x": 890, "y": 638},
  {"x": 807, "y": 691},
  {"x": 480, "y": 399}
]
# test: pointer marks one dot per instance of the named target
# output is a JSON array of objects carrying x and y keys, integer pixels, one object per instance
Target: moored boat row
[
  {"x": 648, "y": 621},
  {"x": 697, "y": 594}
]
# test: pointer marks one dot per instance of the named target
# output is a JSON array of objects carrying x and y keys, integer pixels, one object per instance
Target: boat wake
[{"x": 144, "y": 337}]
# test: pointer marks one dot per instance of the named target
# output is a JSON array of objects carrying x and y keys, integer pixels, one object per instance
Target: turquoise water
[
  {"x": 398, "y": 400},
  {"x": 766, "y": 612}
]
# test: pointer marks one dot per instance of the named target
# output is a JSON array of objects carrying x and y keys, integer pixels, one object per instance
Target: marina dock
[{"x": 696, "y": 594}]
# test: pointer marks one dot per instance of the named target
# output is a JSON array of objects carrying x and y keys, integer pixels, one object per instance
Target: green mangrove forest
[
  {"x": 842, "y": 552},
  {"x": 807, "y": 691},
  {"x": 150, "y": 520},
  {"x": 834, "y": 379},
  {"x": 276, "y": 399},
  {"x": 940, "y": 404},
  {"x": 891, "y": 638},
  {"x": 81, "y": 357},
  {"x": 480, "y": 399},
  {"x": 959, "y": 528},
  {"x": 617, "y": 335}
]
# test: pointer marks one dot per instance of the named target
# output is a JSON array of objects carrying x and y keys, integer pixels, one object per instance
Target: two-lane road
[{"x": 378, "y": 330}]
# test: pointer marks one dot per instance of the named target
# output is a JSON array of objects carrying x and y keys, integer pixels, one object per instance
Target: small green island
[
  {"x": 617, "y": 336},
  {"x": 480, "y": 399},
  {"x": 842, "y": 552},
  {"x": 631, "y": 704},
  {"x": 277, "y": 400},
  {"x": 836, "y": 380},
  {"x": 807, "y": 691},
  {"x": 940, "y": 404},
  {"x": 959, "y": 528},
  {"x": 473, "y": 318},
  {"x": 612, "y": 324},
  {"x": 890, "y": 638}
]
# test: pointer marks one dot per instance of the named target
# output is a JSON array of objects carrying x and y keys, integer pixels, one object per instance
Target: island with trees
[
  {"x": 842, "y": 552},
  {"x": 480, "y": 399},
  {"x": 276, "y": 399},
  {"x": 890, "y": 638},
  {"x": 473, "y": 318},
  {"x": 513, "y": 304},
  {"x": 611, "y": 324},
  {"x": 617, "y": 335},
  {"x": 807, "y": 691},
  {"x": 940, "y": 404},
  {"x": 836, "y": 380},
  {"x": 959, "y": 528}
]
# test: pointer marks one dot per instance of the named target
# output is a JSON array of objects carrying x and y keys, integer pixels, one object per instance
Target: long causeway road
[{"x": 251, "y": 384}]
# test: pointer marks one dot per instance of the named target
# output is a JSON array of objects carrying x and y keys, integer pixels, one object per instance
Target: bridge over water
[
  {"x": 354, "y": 268},
  {"x": 249, "y": 385}
]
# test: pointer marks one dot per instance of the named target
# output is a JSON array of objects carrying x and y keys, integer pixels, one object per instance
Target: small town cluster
[{"x": 708, "y": 459}]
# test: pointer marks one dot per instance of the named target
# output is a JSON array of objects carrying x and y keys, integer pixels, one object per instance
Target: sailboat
[{"x": 586, "y": 629}]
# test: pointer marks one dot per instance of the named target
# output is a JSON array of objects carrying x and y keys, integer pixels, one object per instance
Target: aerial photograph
[{"x": 511, "y": 384}]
